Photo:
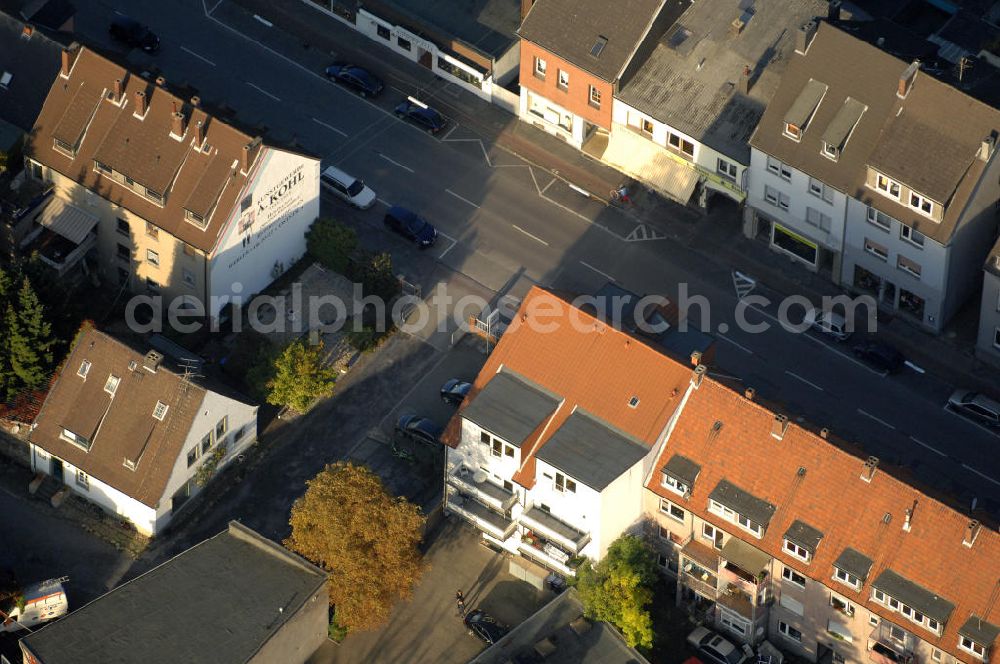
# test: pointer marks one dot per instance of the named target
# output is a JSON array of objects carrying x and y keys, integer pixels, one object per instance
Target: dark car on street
[
  {"x": 419, "y": 429},
  {"x": 410, "y": 225},
  {"x": 975, "y": 406},
  {"x": 356, "y": 78},
  {"x": 421, "y": 115},
  {"x": 133, "y": 34},
  {"x": 880, "y": 355},
  {"x": 454, "y": 391},
  {"x": 485, "y": 626}
]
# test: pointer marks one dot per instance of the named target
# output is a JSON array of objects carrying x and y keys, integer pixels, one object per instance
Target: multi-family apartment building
[
  {"x": 868, "y": 170},
  {"x": 685, "y": 113},
  {"x": 130, "y": 429},
  {"x": 167, "y": 198},
  {"x": 573, "y": 55},
  {"x": 773, "y": 530},
  {"x": 988, "y": 339}
]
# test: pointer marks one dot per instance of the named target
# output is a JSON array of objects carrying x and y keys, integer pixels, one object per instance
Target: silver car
[
  {"x": 716, "y": 649},
  {"x": 828, "y": 323},
  {"x": 975, "y": 406}
]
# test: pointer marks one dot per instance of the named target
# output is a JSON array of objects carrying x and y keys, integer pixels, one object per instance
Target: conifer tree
[{"x": 30, "y": 339}]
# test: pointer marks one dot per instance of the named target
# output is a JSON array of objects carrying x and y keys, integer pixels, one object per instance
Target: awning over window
[
  {"x": 67, "y": 220},
  {"x": 650, "y": 163}
]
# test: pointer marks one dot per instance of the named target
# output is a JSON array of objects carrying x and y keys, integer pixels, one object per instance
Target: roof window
[
  {"x": 84, "y": 369},
  {"x": 595, "y": 50}
]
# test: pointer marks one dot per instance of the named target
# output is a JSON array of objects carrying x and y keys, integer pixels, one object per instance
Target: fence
[{"x": 505, "y": 99}]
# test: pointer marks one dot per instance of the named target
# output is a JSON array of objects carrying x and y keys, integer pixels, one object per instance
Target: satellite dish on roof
[{"x": 479, "y": 476}]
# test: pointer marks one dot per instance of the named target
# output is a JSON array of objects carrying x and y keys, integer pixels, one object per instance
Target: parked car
[
  {"x": 421, "y": 115},
  {"x": 357, "y": 78},
  {"x": 454, "y": 391},
  {"x": 714, "y": 649},
  {"x": 133, "y": 34},
  {"x": 828, "y": 323},
  {"x": 485, "y": 626},
  {"x": 880, "y": 355},
  {"x": 420, "y": 429},
  {"x": 976, "y": 407},
  {"x": 348, "y": 187},
  {"x": 411, "y": 226}
]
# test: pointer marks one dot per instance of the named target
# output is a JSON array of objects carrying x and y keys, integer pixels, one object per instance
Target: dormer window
[
  {"x": 796, "y": 550},
  {"x": 803, "y": 109},
  {"x": 75, "y": 439},
  {"x": 84, "y": 369},
  {"x": 64, "y": 147},
  {"x": 111, "y": 386},
  {"x": 831, "y": 151},
  {"x": 921, "y": 204},
  {"x": 194, "y": 218},
  {"x": 847, "y": 578},
  {"x": 674, "y": 485},
  {"x": 888, "y": 187},
  {"x": 160, "y": 411},
  {"x": 793, "y": 131},
  {"x": 839, "y": 131},
  {"x": 970, "y": 646}
]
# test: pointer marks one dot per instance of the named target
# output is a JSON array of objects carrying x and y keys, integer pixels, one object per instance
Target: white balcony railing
[
  {"x": 481, "y": 516},
  {"x": 548, "y": 526},
  {"x": 484, "y": 491}
]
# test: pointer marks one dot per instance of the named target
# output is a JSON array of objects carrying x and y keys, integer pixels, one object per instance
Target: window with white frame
[
  {"x": 846, "y": 578},
  {"x": 910, "y": 267},
  {"x": 540, "y": 67},
  {"x": 564, "y": 484},
  {"x": 82, "y": 480},
  {"x": 153, "y": 258},
  {"x": 936, "y": 655},
  {"x": 776, "y": 198},
  {"x": 970, "y": 646},
  {"x": 820, "y": 190},
  {"x": 84, "y": 369},
  {"x": 774, "y": 165},
  {"x": 876, "y": 249},
  {"x": 485, "y": 438},
  {"x": 816, "y": 218},
  {"x": 793, "y": 131},
  {"x": 674, "y": 484},
  {"x": 734, "y": 517},
  {"x": 788, "y": 574},
  {"x": 912, "y": 236},
  {"x": 680, "y": 143},
  {"x": 713, "y": 534},
  {"x": 563, "y": 79},
  {"x": 595, "y": 97},
  {"x": 879, "y": 219},
  {"x": 726, "y": 169},
  {"x": 888, "y": 187},
  {"x": 907, "y": 611},
  {"x": 921, "y": 204},
  {"x": 111, "y": 386},
  {"x": 789, "y": 632},
  {"x": 841, "y": 604},
  {"x": 160, "y": 410},
  {"x": 796, "y": 550},
  {"x": 673, "y": 511}
]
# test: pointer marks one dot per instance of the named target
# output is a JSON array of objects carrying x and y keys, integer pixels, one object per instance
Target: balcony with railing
[
  {"x": 481, "y": 516},
  {"x": 736, "y": 599},
  {"x": 56, "y": 251},
  {"x": 553, "y": 528},
  {"x": 482, "y": 489},
  {"x": 889, "y": 644},
  {"x": 547, "y": 553}
]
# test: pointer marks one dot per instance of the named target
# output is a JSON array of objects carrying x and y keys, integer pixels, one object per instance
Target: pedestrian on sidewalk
[{"x": 460, "y": 603}]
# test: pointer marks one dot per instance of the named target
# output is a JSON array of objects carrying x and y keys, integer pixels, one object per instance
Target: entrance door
[
  {"x": 425, "y": 58},
  {"x": 56, "y": 468},
  {"x": 824, "y": 654}
]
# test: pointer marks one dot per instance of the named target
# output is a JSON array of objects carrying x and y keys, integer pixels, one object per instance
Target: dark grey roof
[
  {"x": 571, "y": 29},
  {"x": 576, "y": 639},
  {"x": 33, "y": 64},
  {"x": 980, "y": 631},
  {"x": 914, "y": 596},
  {"x": 51, "y": 14},
  {"x": 843, "y": 122},
  {"x": 757, "y": 510},
  {"x": 804, "y": 535},
  {"x": 683, "y": 469},
  {"x": 511, "y": 407},
  {"x": 805, "y": 103},
  {"x": 216, "y": 602},
  {"x": 854, "y": 563},
  {"x": 591, "y": 451},
  {"x": 489, "y": 26}
]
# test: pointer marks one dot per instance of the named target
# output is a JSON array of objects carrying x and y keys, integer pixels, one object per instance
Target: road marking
[
  {"x": 880, "y": 421},
  {"x": 330, "y": 127},
  {"x": 263, "y": 91},
  {"x": 984, "y": 476},
  {"x": 454, "y": 243},
  {"x": 915, "y": 367},
  {"x": 923, "y": 444},
  {"x": 735, "y": 343},
  {"x": 743, "y": 284},
  {"x": 464, "y": 200},
  {"x": 200, "y": 57},
  {"x": 579, "y": 190},
  {"x": 643, "y": 232},
  {"x": 263, "y": 20},
  {"x": 394, "y": 162},
  {"x": 807, "y": 382},
  {"x": 603, "y": 274},
  {"x": 214, "y": 7},
  {"x": 384, "y": 202},
  {"x": 533, "y": 237}
]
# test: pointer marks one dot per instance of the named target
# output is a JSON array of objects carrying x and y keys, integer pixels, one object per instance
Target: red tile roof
[{"x": 833, "y": 498}]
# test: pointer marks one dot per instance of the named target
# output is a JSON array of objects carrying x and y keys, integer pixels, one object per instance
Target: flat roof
[
  {"x": 591, "y": 451},
  {"x": 511, "y": 407},
  {"x": 489, "y": 25},
  {"x": 219, "y": 602}
]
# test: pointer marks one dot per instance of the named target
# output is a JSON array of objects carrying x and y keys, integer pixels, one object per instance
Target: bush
[
  {"x": 331, "y": 243},
  {"x": 366, "y": 339},
  {"x": 375, "y": 274}
]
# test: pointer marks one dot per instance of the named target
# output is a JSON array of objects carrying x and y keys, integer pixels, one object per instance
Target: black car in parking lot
[
  {"x": 421, "y": 115},
  {"x": 420, "y": 429},
  {"x": 485, "y": 626},
  {"x": 410, "y": 225},
  {"x": 454, "y": 391},
  {"x": 357, "y": 78},
  {"x": 133, "y": 34}
]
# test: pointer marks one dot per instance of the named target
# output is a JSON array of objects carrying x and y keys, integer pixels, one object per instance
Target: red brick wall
[{"x": 576, "y": 98}]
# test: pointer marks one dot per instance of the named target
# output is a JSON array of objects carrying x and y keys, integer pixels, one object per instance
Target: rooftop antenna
[{"x": 963, "y": 64}]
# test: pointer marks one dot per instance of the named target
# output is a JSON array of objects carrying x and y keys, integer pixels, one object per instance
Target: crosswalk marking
[
  {"x": 643, "y": 233},
  {"x": 743, "y": 284}
]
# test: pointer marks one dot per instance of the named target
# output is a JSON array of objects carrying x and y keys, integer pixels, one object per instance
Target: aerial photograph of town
[{"x": 499, "y": 331}]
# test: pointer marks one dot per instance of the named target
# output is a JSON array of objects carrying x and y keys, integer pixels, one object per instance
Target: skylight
[{"x": 595, "y": 50}]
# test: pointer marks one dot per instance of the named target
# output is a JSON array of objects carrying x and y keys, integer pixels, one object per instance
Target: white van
[
  {"x": 38, "y": 603},
  {"x": 350, "y": 188}
]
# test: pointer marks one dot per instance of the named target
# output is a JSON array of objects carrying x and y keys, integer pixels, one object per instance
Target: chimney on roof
[
  {"x": 140, "y": 103},
  {"x": 27, "y": 31},
  {"x": 245, "y": 158},
  {"x": 177, "y": 124},
  {"x": 804, "y": 36},
  {"x": 695, "y": 358},
  {"x": 196, "y": 101},
  {"x": 779, "y": 425},
  {"x": 152, "y": 361},
  {"x": 824, "y": 433},
  {"x": 868, "y": 470},
  {"x": 199, "y": 133},
  {"x": 987, "y": 147},
  {"x": 67, "y": 62},
  {"x": 833, "y": 10},
  {"x": 880, "y": 42},
  {"x": 906, "y": 79},
  {"x": 750, "y": 393},
  {"x": 744, "y": 84},
  {"x": 698, "y": 375},
  {"x": 971, "y": 532},
  {"x": 161, "y": 81},
  {"x": 119, "y": 90},
  {"x": 909, "y": 516}
]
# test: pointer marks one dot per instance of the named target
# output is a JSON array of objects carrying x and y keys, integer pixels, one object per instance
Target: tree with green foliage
[
  {"x": 619, "y": 589},
  {"x": 331, "y": 243},
  {"x": 300, "y": 377},
  {"x": 375, "y": 272},
  {"x": 367, "y": 539},
  {"x": 29, "y": 339}
]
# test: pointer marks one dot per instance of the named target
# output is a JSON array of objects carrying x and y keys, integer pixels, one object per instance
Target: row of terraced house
[{"x": 575, "y": 432}]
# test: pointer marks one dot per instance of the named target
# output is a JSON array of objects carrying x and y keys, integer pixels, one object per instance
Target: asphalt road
[{"x": 500, "y": 217}]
